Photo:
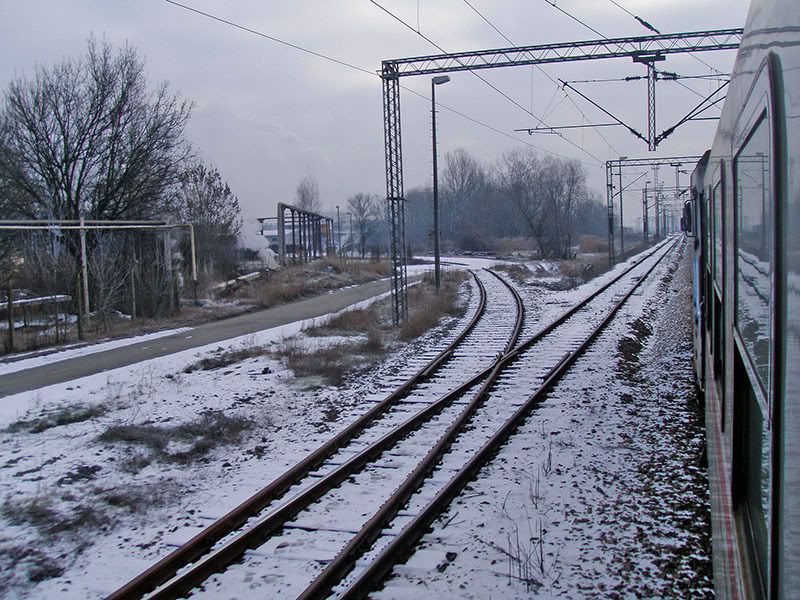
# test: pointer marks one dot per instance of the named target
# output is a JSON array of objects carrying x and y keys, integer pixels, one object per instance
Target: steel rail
[
  {"x": 259, "y": 532},
  {"x": 415, "y": 529},
  {"x": 200, "y": 544}
]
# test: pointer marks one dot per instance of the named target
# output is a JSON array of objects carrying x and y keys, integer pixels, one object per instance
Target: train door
[
  {"x": 716, "y": 287},
  {"x": 697, "y": 220}
]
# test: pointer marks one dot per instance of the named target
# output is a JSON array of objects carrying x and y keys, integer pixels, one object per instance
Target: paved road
[{"x": 73, "y": 368}]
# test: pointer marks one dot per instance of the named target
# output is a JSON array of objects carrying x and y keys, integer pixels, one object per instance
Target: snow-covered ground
[{"x": 597, "y": 469}]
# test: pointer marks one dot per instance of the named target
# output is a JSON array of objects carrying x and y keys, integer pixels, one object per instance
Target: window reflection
[
  {"x": 753, "y": 260},
  {"x": 718, "y": 253}
]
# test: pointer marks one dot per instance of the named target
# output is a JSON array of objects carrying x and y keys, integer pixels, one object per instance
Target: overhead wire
[
  {"x": 637, "y": 17},
  {"x": 350, "y": 66},
  {"x": 574, "y": 18},
  {"x": 483, "y": 79},
  {"x": 651, "y": 28},
  {"x": 546, "y": 74},
  {"x": 269, "y": 37},
  {"x": 683, "y": 85}
]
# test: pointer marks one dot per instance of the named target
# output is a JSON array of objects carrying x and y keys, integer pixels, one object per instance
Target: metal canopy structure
[
  {"x": 642, "y": 49},
  {"x": 307, "y": 232}
]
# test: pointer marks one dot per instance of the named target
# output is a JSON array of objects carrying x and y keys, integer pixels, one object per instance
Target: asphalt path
[{"x": 60, "y": 371}]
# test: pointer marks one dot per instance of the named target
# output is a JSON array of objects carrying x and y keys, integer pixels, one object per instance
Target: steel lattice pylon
[
  {"x": 641, "y": 48},
  {"x": 394, "y": 192}
]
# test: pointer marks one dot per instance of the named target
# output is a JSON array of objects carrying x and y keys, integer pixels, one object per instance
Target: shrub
[
  {"x": 225, "y": 358},
  {"x": 65, "y": 415},
  {"x": 592, "y": 244},
  {"x": 199, "y": 437}
]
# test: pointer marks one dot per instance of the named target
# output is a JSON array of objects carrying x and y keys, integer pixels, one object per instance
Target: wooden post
[
  {"x": 85, "y": 271},
  {"x": 10, "y": 303},
  {"x": 79, "y": 311}
]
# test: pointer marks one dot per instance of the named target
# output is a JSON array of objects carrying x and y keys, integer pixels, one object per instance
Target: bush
[
  {"x": 199, "y": 437},
  {"x": 65, "y": 415},
  {"x": 592, "y": 244},
  {"x": 225, "y": 358},
  {"x": 426, "y": 308}
]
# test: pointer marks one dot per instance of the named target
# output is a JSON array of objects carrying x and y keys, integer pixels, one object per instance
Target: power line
[
  {"x": 686, "y": 87},
  {"x": 350, "y": 66},
  {"x": 477, "y": 12},
  {"x": 638, "y": 18},
  {"x": 484, "y": 80},
  {"x": 574, "y": 18},
  {"x": 553, "y": 81},
  {"x": 269, "y": 37},
  {"x": 650, "y": 27}
]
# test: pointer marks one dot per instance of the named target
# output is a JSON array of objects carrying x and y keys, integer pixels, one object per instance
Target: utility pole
[
  {"x": 621, "y": 226},
  {"x": 339, "y": 227},
  {"x": 436, "y": 252}
]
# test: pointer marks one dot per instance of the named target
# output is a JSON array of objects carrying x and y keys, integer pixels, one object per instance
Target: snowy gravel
[
  {"x": 607, "y": 467},
  {"x": 601, "y": 494}
]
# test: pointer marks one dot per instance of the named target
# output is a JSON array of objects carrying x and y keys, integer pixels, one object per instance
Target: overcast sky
[{"x": 267, "y": 114}]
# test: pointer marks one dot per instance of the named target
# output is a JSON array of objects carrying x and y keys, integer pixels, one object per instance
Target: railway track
[
  {"x": 371, "y": 500},
  {"x": 480, "y": 341}
]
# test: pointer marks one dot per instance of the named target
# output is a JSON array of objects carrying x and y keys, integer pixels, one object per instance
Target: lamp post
[
  {"x": 621, "y": 226},
  {"x": 645, "y": 210},
  {"x": 339, "y": 230},
  {"x": 439, "y": 80}
]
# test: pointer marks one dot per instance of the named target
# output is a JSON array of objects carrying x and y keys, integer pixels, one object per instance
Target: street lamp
[
  {"x": 438, "y": 80},
  {"x": 621, "y": 226},
  {"x": 339, "y": 230},
  {"x": 645, "y": 210}
]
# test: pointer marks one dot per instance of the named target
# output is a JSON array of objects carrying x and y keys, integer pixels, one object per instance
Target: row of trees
[
  {"x": 90, "y": 138},
  {"x": 524, "y": 194}
]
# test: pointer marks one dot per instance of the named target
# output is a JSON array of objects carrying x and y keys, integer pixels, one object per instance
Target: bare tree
[
  {"x": 87, "y": 138},
  {"x": 307, "y": 195},
  {"x": 203, "y": 199},
  {"x": 367, "y": 214},
  {"x": 519, "y": 180},
  {"x": 463, "y": 190},
  {"x": 109, "y": 274},
  {"x": 547, "y": 193}
]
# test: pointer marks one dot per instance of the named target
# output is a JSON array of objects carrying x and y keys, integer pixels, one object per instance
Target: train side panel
[{"x": 748, "y": 197}]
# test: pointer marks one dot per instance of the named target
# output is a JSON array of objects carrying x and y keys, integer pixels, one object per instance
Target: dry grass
[
  {"x": 348, "y": 322},
  {"x": 331, "y": 363},
  {"x": 586, "y": 268},
  {"x": 302, "y": 281},
  {"x": 223, "y": 358},
  {"x": 518, "y": 272},
  {"x": 591, "y": 244},
  {"x": 426, "y": 309},
  {"x": 65, "y": 415},
  {"x": 510, "y": 245},
  {"x": 181, "y": 443},
  {"x": 49, "y": 521}
]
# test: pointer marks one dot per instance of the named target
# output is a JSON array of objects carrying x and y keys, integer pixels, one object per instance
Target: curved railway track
[
  {"x": 480, "y": 336},
  {"x": 368, "y": 473}
]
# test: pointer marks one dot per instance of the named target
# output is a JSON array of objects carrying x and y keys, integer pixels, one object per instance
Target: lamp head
[{"x": 440, "y": 79}]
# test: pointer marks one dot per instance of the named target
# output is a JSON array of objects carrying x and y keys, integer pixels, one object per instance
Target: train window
[
  {"x": 753, "y": 250},
  {"x": 752, "y": 481},
  {"x": 709, "y": 232},
  {"x": 717, "y": 200}
]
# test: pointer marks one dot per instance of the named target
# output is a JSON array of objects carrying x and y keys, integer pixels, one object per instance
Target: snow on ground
[
  {"x": 601, "y": 494},
  {"x": 81, "y": 515}
]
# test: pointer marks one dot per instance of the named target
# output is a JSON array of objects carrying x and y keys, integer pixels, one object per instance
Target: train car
[{"x": 744, "y": 216}]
